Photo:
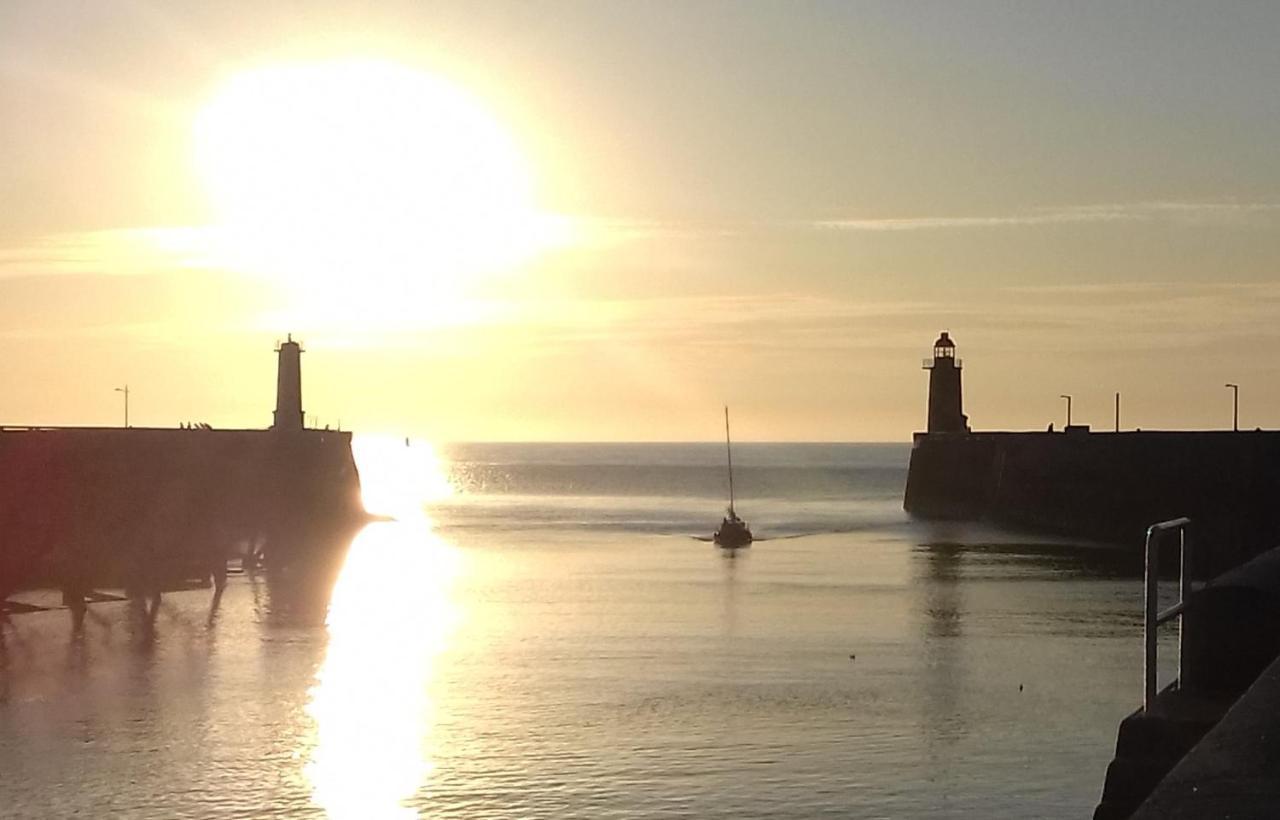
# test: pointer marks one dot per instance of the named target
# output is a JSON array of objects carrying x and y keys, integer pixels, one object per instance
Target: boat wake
[{"x": 790, "y": 536}]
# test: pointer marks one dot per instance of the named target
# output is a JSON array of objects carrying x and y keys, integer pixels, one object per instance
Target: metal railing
[
  {"x": 927, "y": 364},
  {"x": 1153, "y": 617}
]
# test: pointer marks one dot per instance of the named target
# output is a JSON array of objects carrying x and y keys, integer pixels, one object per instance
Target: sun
[{"x": 382, "y": 181}]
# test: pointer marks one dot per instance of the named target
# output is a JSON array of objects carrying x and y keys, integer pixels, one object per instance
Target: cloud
[
  {"x": 1107, "y": 319},
  {"x": 123, "y": 252},
  {"x": 1192, "y": 213},
  {"x": 601, "y": 232}
]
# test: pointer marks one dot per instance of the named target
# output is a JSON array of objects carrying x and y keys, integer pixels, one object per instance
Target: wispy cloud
[
  {"x": 154, "y": 249},
  {"x": 125, "y": 251},
  {"x": 598, "y": 231},
  {"x": 1134, "y": 318},
  {"x": 1195, "y": 213}
]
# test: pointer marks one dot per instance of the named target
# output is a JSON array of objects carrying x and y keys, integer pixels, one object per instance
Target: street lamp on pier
[
  {"x": 1068, "y": 398},
  {"x": 1235, "y": 406},
  {"x": 125, "y": 390}
]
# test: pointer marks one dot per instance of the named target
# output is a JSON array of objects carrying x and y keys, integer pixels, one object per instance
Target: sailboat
[{"x": 733, "y": 532}]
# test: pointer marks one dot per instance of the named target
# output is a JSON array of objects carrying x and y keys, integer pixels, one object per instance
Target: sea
[{"x": 546, "y": 631}]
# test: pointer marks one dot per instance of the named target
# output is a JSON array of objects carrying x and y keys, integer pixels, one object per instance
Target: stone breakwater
[
  {"x": 83, "y": 507},
  {"x": 1107, "y": 486}
]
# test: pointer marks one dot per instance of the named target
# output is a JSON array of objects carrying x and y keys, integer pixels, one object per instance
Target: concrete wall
[
  {"x": 1234, "y": 772},
  {"x": 1108, "y": 486},
  {"x": 107, "y": 506}
]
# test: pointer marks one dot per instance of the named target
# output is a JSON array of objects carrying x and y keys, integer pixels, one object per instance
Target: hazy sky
[{"x": 773, "y": 205}]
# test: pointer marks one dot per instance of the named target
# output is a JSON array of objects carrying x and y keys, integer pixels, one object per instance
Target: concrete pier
[
  {"x": 1234, "y": 772},
  {"x": 152, "y": 508},
  {"x": 1218, "y": 726},
  {"x": 1104, "y": 486}
]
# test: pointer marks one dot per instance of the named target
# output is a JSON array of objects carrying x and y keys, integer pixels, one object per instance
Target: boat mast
[{"x": 729, "y": 450}]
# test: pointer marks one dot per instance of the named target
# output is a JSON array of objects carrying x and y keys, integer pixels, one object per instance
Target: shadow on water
[
  {"x": 959, "y": 573},
  {"x": 1001, "y": 550},
  {"x": 294, "y": 595},
  {"x": 733, "y": 561},
  {"x": 942, "y": 591},
  {"x": 4, "y": 659},
  {"x": 211, "y": 620},
  {"x": 300, "y": 596},
  {"x": 78, "y": 660},
  {"x": 942, "y": 623}
]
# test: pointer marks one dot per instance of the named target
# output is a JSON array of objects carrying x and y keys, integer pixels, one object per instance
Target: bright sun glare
[
  {"x": 398, "y": 477},
  {"x": 372, "y": 705},
  {"x": 365, "y": 177}
]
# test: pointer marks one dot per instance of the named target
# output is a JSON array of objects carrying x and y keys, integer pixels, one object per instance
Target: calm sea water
[{"x": 550, "y": 639}]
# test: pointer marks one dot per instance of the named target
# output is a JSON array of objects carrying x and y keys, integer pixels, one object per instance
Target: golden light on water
[
  {"x": 398, "y": 476},
  {"x": 362, "y": 183},
  {"x": 390, "y": 617}
]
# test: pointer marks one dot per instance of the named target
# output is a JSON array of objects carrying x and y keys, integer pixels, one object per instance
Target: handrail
[{"x": 1152, "y": 616}]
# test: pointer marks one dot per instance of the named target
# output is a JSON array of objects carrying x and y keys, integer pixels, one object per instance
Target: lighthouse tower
[
  {"x": 945, "y": 413},
  {"x": 288, "y": 413}
]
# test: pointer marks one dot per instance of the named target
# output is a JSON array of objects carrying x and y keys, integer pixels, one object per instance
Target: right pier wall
[{"x": 1108, "y": 486}]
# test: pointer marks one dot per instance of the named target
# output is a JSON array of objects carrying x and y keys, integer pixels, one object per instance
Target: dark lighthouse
[
  {"x": 288, "y": 414},
  {"x": 945, "y": 412}
]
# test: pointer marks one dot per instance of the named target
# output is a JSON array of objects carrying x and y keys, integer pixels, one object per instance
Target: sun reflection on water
[
  {"x": 390, "y": 618},
  {"x": 398, "y": 476}
]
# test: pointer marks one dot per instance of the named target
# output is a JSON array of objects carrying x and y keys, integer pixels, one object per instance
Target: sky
[{"x": 603, "y": 220}]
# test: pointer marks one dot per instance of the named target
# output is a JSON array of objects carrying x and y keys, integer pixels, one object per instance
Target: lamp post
[
  {"x": 125, "y": 390},
  {"x": 1068, "y": 398},
  {"x": 1235, "y": 406}
]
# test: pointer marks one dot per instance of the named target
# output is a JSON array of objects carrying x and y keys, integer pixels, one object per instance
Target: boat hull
[{"x": 732, "y": 535}]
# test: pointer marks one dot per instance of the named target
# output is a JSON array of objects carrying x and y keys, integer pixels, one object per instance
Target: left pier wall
[{"x": 107, "y": 506}]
